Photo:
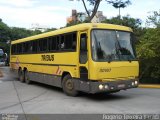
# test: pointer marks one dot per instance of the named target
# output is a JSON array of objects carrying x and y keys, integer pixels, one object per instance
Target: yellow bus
[{"x": 89, "y": 57}]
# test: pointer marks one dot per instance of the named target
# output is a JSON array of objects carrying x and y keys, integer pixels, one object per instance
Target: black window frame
[{"x": 28, "y": 47}]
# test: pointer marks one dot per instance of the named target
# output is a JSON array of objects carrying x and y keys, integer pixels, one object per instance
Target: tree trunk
[{"x": 94, "y": 11}]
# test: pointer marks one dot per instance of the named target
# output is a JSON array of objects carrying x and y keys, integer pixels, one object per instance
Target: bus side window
[
  {"x": 19, "y": 48},
  {"x": 34, "y": 46},
  {"x": 74, "y": 41},
  {"x": 43, "y": 44},
  {"x": 62, "y": 45},
  {"x": 83, "y": 48},
  {"x": 26, "y": 47},
  {"x": 14, "y": 48},
  {"x": 70, "y": 42}
]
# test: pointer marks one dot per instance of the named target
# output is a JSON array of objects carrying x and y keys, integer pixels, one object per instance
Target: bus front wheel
[{"x": 68, "y": 86}]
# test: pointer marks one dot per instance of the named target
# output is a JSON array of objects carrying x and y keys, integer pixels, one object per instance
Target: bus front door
[{"x": 83, "y": 57}]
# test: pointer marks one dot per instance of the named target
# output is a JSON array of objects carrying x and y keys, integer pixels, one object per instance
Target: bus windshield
[{"x": 112, "y": 45}]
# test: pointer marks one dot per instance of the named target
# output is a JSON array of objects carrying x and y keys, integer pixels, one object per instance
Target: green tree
[
  {"x": 148, "y": 53},
  {"x": 4, "y": 36},
  {"x": 95, "y": 5},
  {"x": 154, "y": 19},
  {"x": 50, "y": 29},
  {"x": 12, "y": 33},
  {"x": 118, "y": 4},
  {"x": 4, "y": 32},
  {"x": 17, "y": 33},
  {"x": 134, "y": 23}
]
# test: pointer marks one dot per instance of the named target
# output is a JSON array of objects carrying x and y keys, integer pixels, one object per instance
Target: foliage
[
  {"x": 119, "y": 3},
  {"x": 148, "y": 49},
  {"x": 17, "y": 33},
  {"x": 12, "y": 33},
  {"x": 126, "y": 21},
  {"x": 50, "y": 29},
  {"x": 4, "y": 32},
  {"x": 154, "y": 19},
  {"x": 148, "y": 53}
]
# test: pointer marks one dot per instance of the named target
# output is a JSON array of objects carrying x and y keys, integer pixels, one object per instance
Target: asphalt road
[{"x": 17, "y": 97}]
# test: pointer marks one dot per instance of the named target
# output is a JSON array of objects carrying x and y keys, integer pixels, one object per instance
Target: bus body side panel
[{"x": 47, "y": 70}]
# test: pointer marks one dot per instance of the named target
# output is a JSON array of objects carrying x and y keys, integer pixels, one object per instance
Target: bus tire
[
  {"x": 68, "y": 86},
  {"x": 26, "y": 77},
  {"x": 21, "y": 75}
]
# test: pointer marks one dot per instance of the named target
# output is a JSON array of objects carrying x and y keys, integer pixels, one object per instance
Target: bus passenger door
[{"x": 83, "y": 56}]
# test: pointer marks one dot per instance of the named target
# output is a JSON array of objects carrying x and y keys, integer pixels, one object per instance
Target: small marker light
[{"x": 106, "y": 87}]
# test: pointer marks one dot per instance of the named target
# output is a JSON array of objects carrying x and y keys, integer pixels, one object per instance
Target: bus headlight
[
  {"x": 136, "y": 82},
  {"x": 100, "y": 87}
]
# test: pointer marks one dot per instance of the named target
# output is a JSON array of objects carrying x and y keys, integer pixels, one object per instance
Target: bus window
[
  {"x": 43, "y": 44},
  {"x": 62, "y": 45},
  {"x": 70, "y": 41},
  {"x": 19, "y": 48},
  {"x": 83, "y": 48},
  {"x": 13, "y": 49},
  {"x": 34, "y": 46},
  {"x": 52, "y": 43},
  {"x": 26, "y": 47},
  {"x": 74, "y": 41}
]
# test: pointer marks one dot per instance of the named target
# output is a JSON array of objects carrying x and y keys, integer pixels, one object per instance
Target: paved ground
[{"x": 17, "y": 97}]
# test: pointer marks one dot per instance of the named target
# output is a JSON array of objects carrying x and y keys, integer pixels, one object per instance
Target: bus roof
[{"x": 79, "y": 27}]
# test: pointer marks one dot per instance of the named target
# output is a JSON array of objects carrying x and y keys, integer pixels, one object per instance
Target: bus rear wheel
[
  {"x": 26, "y": 77},
  {"x": 68, "y": 86},
  {"x": 21, "y": 75}
]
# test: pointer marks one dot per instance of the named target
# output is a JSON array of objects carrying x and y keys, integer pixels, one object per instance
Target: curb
[{"x": 149, "y": 86}]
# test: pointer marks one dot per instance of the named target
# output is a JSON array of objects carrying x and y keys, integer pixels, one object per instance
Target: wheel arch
[
  {"x": 24, "y": 69},
  {"x": 64, "y": 74}
]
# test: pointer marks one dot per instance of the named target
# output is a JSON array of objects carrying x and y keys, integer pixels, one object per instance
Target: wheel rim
[{"x": 69, "y": 84}]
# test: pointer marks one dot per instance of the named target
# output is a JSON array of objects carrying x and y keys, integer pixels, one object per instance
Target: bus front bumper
[{"x": 109, "y": 86}]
